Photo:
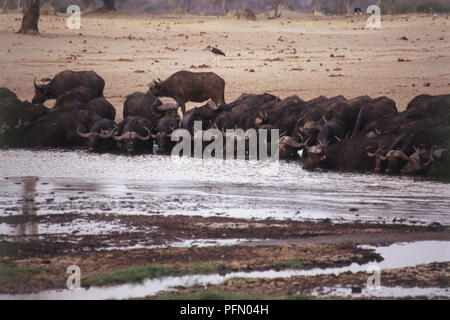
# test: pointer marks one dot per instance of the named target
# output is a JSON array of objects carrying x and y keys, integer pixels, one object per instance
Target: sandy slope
[{"x": 287, "y": 56}]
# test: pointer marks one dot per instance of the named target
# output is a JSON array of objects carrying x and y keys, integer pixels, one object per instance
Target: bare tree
[
  {"x": 187, "y": 5},
  {"x": 339, "y": 7},
  {"x": 277, "y": 4},
  {"x": 225, "y": 6},
  {"x": 108, "y": 5},
  {"x": 30, "y": 17},
  {"x": 7, "y": 5}
]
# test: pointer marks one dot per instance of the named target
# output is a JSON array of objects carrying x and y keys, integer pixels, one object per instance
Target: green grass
[
  {"x": 7, "y": 273},
  {"x": 140, "y": 273},
  {"x": 14, "y": 274}
]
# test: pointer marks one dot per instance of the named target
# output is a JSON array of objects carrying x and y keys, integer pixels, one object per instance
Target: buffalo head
[
  {"x": 94, "y": 139},
  {"x": 129, "y": 139},
  {"x": 155, "y": 87},
  {"x": 40, "y": 93}
]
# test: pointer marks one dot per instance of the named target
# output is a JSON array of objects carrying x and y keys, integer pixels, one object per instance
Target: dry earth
[{"x": 307, "y": 56}]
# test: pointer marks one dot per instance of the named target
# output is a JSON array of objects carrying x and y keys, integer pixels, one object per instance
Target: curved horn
[
  {"x": 126, "y": 135},
  {"x": 37, "y": 87},
  {"x": 376, "y": 153},
  {"x": 401, "y": 154},
  {"x": 141, "y": 138},
  {"x": 305, "y": 144},
  {"x": 82, "y": 134},
  {"x": 290, "y": 142},
  {"x": 324, "y": 119}
]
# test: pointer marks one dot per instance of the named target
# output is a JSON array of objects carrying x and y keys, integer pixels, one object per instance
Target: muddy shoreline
[{"x": 268, "y": 245}]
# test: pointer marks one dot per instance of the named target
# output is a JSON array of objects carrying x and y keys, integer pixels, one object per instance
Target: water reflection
[
  {"x": 29, "y": 208},
  {"x": 79, "y": 182}
]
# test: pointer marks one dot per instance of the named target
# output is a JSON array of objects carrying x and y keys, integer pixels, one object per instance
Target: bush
[
  {"x": 149, "y": 9},
  {"x": 436, "y": 6},
  {"x": 61, "y": 8},
  {"x": 327, "y": 10},
  {"x": 395, "y": 7}
]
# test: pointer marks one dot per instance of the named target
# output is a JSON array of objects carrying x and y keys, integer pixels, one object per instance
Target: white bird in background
[{"x": 216, "y": 52}]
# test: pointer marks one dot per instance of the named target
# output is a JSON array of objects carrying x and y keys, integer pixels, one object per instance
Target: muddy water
[
  {"x": 394, "y": 256},
  {"x": 46, "y": 182}
]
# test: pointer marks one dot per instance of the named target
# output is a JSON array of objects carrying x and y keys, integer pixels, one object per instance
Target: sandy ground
[{"x": 309, "y": 56}]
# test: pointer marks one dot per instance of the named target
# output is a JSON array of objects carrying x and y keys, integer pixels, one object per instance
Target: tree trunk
[
  {"x": 225, "y": 6},
  {"x": 339, "y": 7},
  {"x": 277, "y": 4},
  {"x": 313, "y": 4},
  {"x": 7, "y": 6},
  {"x": 30, "y": 17},
  {"x": 109, "y": 5},
  {"x": 187, "y": 5}
]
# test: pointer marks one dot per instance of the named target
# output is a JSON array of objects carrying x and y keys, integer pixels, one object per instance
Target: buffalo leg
[{"x": 183, "y": 107}]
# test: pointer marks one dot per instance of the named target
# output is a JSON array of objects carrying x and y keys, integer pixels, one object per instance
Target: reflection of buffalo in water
[{"x": 28, "y": 207}]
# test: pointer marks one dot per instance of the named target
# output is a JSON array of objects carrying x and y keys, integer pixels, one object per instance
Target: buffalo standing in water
[
  {"x": 100, "y": 137},
  {"x": 133, "y": 135}
]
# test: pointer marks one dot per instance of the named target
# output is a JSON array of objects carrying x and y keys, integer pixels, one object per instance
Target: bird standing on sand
[{"x": 216, "y": 52}]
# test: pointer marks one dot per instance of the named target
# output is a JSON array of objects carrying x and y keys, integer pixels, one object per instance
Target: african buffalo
[
  {"x": 73, "y": 98},
  {"x": 16, "y": 115},
  {"x": 184, "y": 86},
  {"x": 67, "y": 80},
  {"x": 59, "y": 129},
  {"x": 102, "y": 107},
  {"x": 164, "y": 129},
  {"x": 143, "y": 105},
  {"x": 100, "y": 137},
  {"x": 133, "y": 135}
]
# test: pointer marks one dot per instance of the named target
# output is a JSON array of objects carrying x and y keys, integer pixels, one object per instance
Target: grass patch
[
  {"x": 294, "y": 264},
  {"x": 14, "y": 274},
  {"x": 140, "y": 273}
]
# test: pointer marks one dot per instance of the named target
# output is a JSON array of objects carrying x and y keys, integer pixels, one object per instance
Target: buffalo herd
[{"x": 363, "y": 133}]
